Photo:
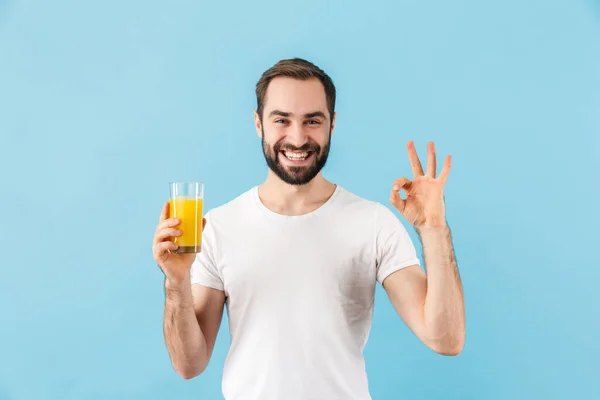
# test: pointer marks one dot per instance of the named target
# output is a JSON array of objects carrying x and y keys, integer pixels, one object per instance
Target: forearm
[
  {"x": 184, "y": 339},
  {"x": 444, "y": 316}
]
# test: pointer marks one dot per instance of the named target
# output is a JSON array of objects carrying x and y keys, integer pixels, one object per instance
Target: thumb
[
  {"x": 395, "y": 199},
  {"x": 203, "y": 223}
]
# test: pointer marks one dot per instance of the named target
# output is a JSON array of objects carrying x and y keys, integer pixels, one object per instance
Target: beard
[{"x": 296, "y": 175}]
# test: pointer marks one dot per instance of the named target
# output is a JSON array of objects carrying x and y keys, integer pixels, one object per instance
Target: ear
[
  {"x": 257, "y": 124},
  {"x": 333, "y": 123}
]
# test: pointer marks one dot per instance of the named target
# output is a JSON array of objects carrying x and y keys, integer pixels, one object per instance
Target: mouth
[{"x": 297, "y": 157}]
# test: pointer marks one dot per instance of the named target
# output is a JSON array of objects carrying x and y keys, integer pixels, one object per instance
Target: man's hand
[
  {"x": 424, "y": 202},
  {"x": 176, "y": 267}
]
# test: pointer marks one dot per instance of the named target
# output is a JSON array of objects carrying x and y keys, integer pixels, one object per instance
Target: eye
[
  {"x": 312, "y": 122},
  {"x": 280, "y": 121}
]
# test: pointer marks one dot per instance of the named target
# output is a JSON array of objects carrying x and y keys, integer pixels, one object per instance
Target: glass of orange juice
[{"x": 185, "y": 203}]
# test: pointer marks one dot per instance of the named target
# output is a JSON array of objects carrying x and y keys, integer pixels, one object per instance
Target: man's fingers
[
  {"x": 165, "y": 212},
  {"x": 164, "y": 247},
  {"x": 397, "y": 201},
  {"x": 445, "y": 169},
  {"x": 415, "y": 163},
  {"x": 166, "y": 233},
  {"x": 431, "y": 164},
  {"x": 171, "y": 222},
  {"x": 402, "y": 183}
]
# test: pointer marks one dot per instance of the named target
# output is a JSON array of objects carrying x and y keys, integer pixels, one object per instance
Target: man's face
[{"x": 295, "y": 129}]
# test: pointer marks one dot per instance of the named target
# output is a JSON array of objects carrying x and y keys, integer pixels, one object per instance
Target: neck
[{"x": 286, "y": 199}]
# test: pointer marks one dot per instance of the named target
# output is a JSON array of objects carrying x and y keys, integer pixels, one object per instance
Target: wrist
[
  {"x": 432, "y": 228},
  {"x": 175, "y": 286},
  {"x": 431, "y": 219}
]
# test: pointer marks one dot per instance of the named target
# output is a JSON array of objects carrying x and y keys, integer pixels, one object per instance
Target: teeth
[{"x": 295, "y": 155}]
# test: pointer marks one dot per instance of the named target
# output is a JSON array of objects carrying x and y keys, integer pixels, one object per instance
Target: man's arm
[
  {"x": 192, "y": 318},
  {"x": 432, "y": 304}
]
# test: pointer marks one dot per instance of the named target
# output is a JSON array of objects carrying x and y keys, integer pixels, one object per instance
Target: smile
[{"x": 297, "y": 156}]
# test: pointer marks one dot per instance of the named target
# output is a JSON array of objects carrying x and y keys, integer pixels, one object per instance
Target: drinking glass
[{"x": 186, "y": 201}]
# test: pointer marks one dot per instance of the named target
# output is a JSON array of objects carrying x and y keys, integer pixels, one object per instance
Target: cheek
[
  {"x": 321, "y": 137},
  {"x": 273, "y": 134}
]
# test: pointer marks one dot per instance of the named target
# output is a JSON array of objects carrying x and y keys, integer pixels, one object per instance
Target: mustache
[{"x": 305, "y": 147}]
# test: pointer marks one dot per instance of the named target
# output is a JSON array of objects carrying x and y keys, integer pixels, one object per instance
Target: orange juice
[{"x": 189, "y": 211}]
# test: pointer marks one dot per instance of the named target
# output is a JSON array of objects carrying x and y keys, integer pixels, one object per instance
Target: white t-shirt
[{"x": 299, "y": 292}]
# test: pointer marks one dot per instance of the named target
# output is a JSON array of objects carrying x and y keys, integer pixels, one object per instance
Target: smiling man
[
  {"x": 297, "y": 258},
  {"x": 295, "y": 161}
]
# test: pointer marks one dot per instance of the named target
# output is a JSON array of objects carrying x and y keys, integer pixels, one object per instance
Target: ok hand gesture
[{"x": 424, "y": 202}]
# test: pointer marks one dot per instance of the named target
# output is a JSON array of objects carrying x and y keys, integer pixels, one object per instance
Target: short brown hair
[{"x": 296, "y": 68}]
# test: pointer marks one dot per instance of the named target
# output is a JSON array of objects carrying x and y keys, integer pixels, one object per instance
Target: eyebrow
[
  {"x": 280, "y": 113},
  {"x": 288, "y": 114},
  {"x": 315, "y": 114}
]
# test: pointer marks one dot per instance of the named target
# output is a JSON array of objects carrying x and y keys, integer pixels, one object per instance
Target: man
[{"x": 296, "y": 260}]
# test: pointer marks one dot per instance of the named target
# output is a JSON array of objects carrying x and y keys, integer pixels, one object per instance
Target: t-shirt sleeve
[
  {"x": 205, "y": 269},
  {"x": 394, "y": 247}
]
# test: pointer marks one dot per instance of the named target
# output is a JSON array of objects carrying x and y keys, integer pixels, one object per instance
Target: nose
[{"x": 296, "y": 135}]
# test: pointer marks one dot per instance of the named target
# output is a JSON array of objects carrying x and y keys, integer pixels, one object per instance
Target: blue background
[{"x": 103, "y": 103}]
